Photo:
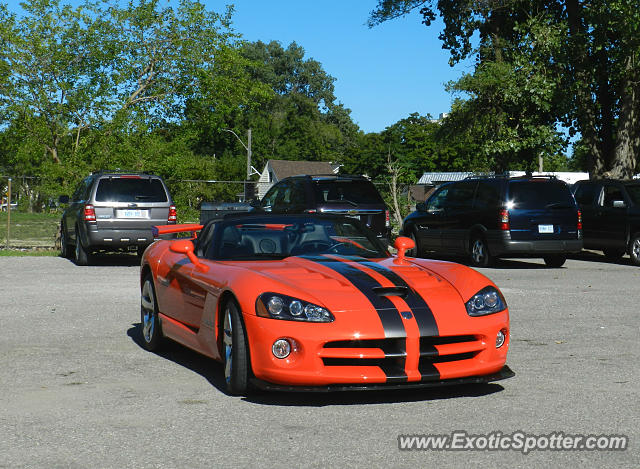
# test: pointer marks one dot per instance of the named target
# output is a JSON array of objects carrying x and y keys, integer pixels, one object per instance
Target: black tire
[
  {"x": 83, "y": 257},
  {"x": 416, "y": 251},
  {"x": 480, "y": 255},
  {"x": 150, "y": 327},
  {"x": 613, "y": 254},
  {"x": 556, "y": 260},
  {"x": 634, "y": 249},
  {"x": 235, "y": 352},
  {"x": 65, "y": 250}
]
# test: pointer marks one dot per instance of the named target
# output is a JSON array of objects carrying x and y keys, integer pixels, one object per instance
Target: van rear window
[
  {"x": 539, "y": 194},
  {"x": 358, "y": 192},
  {"x": 130, "y": 190}
]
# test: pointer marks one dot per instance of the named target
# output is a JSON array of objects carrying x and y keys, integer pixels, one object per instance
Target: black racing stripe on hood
[
  {"x": 423, "y": 314},
  {"x": 388, "y": 313}
]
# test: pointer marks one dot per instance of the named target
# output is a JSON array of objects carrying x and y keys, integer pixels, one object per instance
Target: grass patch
[
  {"x": 29, "y": 252},
  {"x": 29, "y": 229}
]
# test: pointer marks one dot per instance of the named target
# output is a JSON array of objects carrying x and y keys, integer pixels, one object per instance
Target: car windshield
[
  {"x": 277, "y": 237},
  {"x": 352, "y": 192},
  {"x": 634, "y": 193},
  {"x": 539, "y": 194},
  {"x": 130, "y": 189}
]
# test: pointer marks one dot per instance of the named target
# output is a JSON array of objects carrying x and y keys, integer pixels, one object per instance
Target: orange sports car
[{"x": 316, "y": 302}]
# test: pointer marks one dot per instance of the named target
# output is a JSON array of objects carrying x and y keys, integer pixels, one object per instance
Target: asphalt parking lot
[{"x": 78, "y": 391}]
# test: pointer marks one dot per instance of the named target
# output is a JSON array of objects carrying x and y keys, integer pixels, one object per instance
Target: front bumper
[
  {"x": 329, "y": 354},
  {"x": 504, "y": 373}
]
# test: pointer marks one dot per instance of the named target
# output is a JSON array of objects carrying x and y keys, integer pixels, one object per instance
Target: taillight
[
  {"x": 504, "y": 220},
  {"x": 89, "y": 213},
  {"x": 387, "y": 220},
  {"x": 173, "y": 215},
  {"x": 579, "y": 220}
]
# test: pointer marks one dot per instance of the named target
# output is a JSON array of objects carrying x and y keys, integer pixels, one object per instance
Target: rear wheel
[
  {"x": 556, "y": 260},
  {"x": 480, "y": 256},
  {"x": 151, "y": 327},
  {"x": 82, "y": 255},
  {"x": 613, "y": 254},
  {"x": 235, "y": 351},
  {"x": 634, "y": 249}
]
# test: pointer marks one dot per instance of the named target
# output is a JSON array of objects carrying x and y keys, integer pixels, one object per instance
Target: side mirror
[
  {"x": 619, "y": 204},
  {"x": 63, "y": 199},
  {"x": 421, "y": 207},
  {"x": 402, "y": 244},
  {"x": 255, "y": 203},
  {"x": 185, "y": 246}
]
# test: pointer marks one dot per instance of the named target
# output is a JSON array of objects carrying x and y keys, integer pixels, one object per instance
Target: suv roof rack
[{"x": 118, "y": 171}]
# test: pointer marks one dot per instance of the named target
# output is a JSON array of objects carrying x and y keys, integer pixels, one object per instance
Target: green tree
[
  {"x": 104, "y": 86},
  {"x": 300, "y": 120},
  {"x": 589, "y": 54}
]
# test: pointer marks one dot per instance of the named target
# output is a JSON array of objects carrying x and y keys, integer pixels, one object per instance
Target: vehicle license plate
[
  {"x": 545, "y": 228},
  {"x": 133, "y": 213}
]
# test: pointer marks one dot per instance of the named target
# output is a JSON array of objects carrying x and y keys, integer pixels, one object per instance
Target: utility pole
[
  {"x": 248, "y": 192},
  {"x": 8, "y": 210}
]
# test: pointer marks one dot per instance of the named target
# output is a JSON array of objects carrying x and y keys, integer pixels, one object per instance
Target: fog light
[
  {"x": 281, "y": 348},
  {"x": 500, "y": 338}
]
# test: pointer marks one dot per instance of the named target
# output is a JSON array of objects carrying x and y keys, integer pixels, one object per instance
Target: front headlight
[
  {"x": 276, "y": 306},
  {"x": 487, "y": 301}
]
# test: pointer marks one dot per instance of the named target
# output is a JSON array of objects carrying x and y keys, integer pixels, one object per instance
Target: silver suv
[{"x": 111, "y": 211}]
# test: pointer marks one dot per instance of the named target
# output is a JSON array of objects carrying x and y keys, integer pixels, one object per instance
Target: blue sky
[{"x": 382, "y": 74}]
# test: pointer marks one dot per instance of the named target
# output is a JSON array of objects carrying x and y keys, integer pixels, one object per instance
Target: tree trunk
[
  {"x": 626, "y": 151},
  {"x": 585, "y": 113}
]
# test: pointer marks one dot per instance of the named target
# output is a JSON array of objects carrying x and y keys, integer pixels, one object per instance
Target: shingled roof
[{"x": 286, "y": 168}]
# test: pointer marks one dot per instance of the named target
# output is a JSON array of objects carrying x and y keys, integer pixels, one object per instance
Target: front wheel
[
  {"x": 235, "y": 351},
  {"x": 64, "y": 242},
  {"x": 151, "y": 327},
  {"x": 480, "y": 256},
  {"x": 634, "y": 249},
  {"x": 416, "y": 251},
  {"x": 555, "y": 260}
]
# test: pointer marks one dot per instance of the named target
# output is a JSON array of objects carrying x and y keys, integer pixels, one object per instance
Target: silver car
[{"x": 111, "y": 211}]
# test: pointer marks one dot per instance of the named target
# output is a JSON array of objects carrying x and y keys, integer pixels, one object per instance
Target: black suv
[
  {"x": 114, "y": 211},
  {"x": 611, "y": 216},
  {"x": 489, "y": 217},
  {"x": 352, "y": 196}
]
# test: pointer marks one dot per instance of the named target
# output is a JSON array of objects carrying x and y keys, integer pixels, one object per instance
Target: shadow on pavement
[{"x": 212, "y": 371}]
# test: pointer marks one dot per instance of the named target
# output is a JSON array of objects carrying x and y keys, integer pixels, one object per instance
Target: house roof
[{"x": 286, "y": 168}]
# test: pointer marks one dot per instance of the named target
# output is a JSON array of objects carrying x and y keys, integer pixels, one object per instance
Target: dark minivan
[
  {"x": 611, "y": 213},
  {"x": 490, "y": 217},
  {"x": 352, "y": 196}
]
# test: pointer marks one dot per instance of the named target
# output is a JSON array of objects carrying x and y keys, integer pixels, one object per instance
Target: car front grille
[{"x": 390, "y": 354}]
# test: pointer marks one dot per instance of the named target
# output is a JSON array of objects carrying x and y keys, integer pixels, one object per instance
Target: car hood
[{"x": 346, "y": 283}]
